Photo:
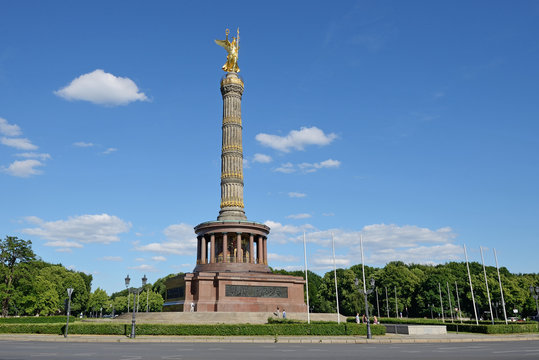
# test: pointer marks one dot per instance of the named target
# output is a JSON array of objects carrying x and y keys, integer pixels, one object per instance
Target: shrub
[
  {"x": 37, "y": 319},
  {"x": 196, "y": 330},
  {"x": 494, "y": 329},
  {"x": 32, "y": 328}
]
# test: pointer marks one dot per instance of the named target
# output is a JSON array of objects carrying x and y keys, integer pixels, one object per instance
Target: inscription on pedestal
[{"x": 256, "y": 291}]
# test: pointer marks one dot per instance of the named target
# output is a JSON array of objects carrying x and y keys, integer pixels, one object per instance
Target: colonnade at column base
[{"x": 232, "y": 245}]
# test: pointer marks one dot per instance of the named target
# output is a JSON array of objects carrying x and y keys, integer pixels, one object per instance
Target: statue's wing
[{"x": 223, "y": 43}]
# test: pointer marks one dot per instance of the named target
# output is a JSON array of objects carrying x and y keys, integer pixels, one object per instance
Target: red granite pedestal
[{"x": 243, "y": 292}]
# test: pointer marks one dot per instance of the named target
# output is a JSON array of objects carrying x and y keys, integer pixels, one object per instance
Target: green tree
[
  {"x": 12, "y": 252},
  {"x": 98, "y": 300},
  {"x": 155, "y": 301}
]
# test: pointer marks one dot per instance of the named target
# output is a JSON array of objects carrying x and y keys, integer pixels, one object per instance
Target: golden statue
[{"x": 232, "y": 49}]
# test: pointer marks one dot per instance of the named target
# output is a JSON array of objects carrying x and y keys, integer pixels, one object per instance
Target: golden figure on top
[{"x": 232, "y": 49}]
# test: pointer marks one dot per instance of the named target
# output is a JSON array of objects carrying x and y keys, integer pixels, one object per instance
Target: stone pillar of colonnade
[
  {"x": 225, "y": 247},
  {"x": 251, "y": 248},
  {"x": 212, "y": 248}
]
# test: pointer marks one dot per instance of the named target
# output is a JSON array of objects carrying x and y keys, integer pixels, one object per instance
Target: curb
[{"x": 255, "y": 340}]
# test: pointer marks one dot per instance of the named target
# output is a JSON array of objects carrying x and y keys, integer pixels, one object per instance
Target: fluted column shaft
[{"x": 232, "y": 206}]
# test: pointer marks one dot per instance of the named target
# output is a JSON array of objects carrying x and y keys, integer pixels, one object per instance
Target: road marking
[
  {"x": 131, "y": 357},
  {"x": 84, "y": 354},
  {"x": 45, "y": 354},
  {"x": 172, "y": 357},
  {"x": 514, "y": 351}
]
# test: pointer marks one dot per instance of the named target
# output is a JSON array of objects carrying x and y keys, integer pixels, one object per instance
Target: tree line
[
  {"x": 413, "y": 290},
  {"x": 31, "y": 286}
]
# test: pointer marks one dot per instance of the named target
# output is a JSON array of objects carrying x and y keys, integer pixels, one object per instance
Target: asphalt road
[{"x": 11, "y": 350}]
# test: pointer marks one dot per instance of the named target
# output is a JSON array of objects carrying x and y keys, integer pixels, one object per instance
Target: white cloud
[
  {"x": 282, "y": 233},
  {"x": 296, "y": 195},
  {"x": 286, "y": 168},
  {"x": 262, "y": 158},
  {"x": 140, "y": 259},
  {"x": 102, "y": 88},
  {"x": 24, "y": 168},
  {"x": 144, "y": 267},
  {"x": 299, "y": 216},
  {"x": 181, "y": 240},
  {"x": 296, "y": 139},
  {"x": 382, "y": 243},
  {"x": 323, "y": 262},
  {"x": 109, "y": 151},
  {"x": 41, "y": 156},
  {"x": 283, "y": 258},
  {"x": 64, "y": 250},
  {"x": 63, "y": 244},
  {"x": 83, "y": 144},
  {"x": 308, "y": 167},
  {"x": 112, "y": 258},
  {"x": 102, "y": 228},
  {"x": 159, "y": 258},
  {"x": 9, "y": 129},
  {"x": 18, "y": 143}
]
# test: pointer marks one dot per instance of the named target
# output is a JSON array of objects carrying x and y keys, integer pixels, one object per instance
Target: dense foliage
[
  {"x": 331, "y": 329},
  {"x": 416, "y": 288},
  {"x": 30, "y": 286}
]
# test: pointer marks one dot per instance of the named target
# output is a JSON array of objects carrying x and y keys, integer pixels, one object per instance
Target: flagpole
[
  {"x": 335, "y": 273},
  {"x": 459, "y": 314},
  {"x": 471, "y": 287},
  {"x": 486, "y": 284},
  {"x": 306, "y": 279},
  {"x": 501, "y": 289}
]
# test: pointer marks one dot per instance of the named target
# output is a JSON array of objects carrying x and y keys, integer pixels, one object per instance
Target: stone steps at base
[{"x": 218, "y": 317}]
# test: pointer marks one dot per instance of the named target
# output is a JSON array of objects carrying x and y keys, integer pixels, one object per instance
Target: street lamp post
[
  {"x": 366, "y": 292},
  {"x": 387, "y": 303},
  {"x": 127, "y": 280},
  {"x": 135, "y": 292},
  {"x": 535, "y": 293},
  {"x": 69, "y": 292},
  {"x": 496, "y": 304}
]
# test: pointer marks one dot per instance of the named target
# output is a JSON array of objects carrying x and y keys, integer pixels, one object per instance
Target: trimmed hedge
[
  {"x": 37, "y": 319},
  {"x": 32, "y": 328},
  {"x": 494, "y": 329},
  {"x": 196, "y": 330},
  {"x": 467, "y": 326}
]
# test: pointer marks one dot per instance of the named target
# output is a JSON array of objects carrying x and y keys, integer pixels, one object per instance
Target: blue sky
[{"x": 412, "y": 123}]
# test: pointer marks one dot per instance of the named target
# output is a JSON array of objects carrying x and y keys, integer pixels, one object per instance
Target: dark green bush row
[
  {"x": 483, "y": 327},
  {"x": 401, "y": 321},
  {"x": 205, "y": 330},
  {"x": 422, "y": 321},
  {"x": 494, "y": 329},
  {"x": 37, "y": 319},
  {"x": 32, "y": 328}
]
